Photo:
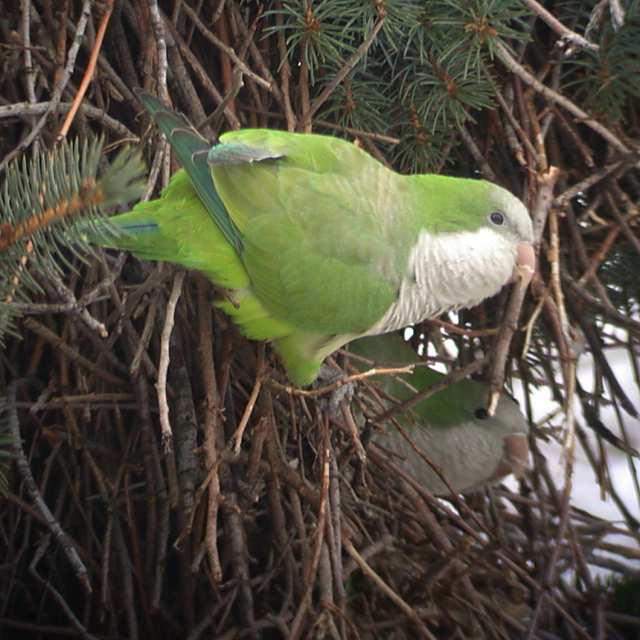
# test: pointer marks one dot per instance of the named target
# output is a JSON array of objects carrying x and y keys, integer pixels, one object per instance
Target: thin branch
[
  {"x": 57, "y": 93},
  {"x": 387, "y": 590},
  {"x": 19, "y": 109},
  {"x": 237, "y": 436},
  {"x": 89, "y": 71},
  {"x": 553, "y": 96},
  {"x": 564, "y": 32},
  {"x": 347, "y": 67},
  {"x": 269, "y": 86},
  {"x": 161, "y": 46},
  {"x": 500, "y": 350},
  {"x": 163, "y": 365},
  {"x": 341, "y": 382},
  {"x": 58, "y": 343},
  {"x": 32, "y": 489}
]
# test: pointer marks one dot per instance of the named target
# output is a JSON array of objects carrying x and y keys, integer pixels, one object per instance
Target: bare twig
[
  {"x": 237, "y": 436},
  {"x": 60, "y": 86},
  {"x": 384, "y": 587},
  {"x": 340, "y": 382},
  {"x": 59, "y": 343},
  {"x": 32, "y": 488},
  {"x": 553, "y": 96},
  {"x": 564, "y": 32},
  {"x": 89, "y": 71},
  {"x": 347, "y": 67},
  {"x": 546, "y": 184},
  {"x": 163, "y": 366},
  {"x": 212, "y": 424},
  {"x": 161, "y": 46}
]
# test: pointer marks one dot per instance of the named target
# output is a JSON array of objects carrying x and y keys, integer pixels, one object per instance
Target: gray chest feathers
[
  {"x": 467, "y": 455},
  {"x": 447, "y": 272}
]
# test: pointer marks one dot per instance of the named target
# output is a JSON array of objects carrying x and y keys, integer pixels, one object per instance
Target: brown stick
[
  {"x": 386, "y": 589},
  {"x": 163, "y": 365},
  {"x": 32, "y": 488},
  {"x": 89, "y": 71}
]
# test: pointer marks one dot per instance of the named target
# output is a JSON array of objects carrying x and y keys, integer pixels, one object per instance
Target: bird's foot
[{"x": 339, "y": 390}]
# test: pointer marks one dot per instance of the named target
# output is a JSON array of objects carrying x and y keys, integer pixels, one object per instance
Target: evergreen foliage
[
  {"x": 298, "y": 533},
  {"x": 430, "y": 68},
  {"x": 619, "y": 274},
  {"x": 607, "y": 81},
  {"x": 40, "y": 201}
]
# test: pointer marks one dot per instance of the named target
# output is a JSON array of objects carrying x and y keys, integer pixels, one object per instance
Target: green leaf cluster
[
  {"x": 428, "y": 72},
  {"x": 619, "y": 274},
  {"x": 40, "y": 201},
  {"x": 606, "y": 80}
]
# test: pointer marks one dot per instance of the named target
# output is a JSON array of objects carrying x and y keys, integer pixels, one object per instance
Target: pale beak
[
  {"x": 525, "y": 263},
  {"x": 515, "y": 458}
]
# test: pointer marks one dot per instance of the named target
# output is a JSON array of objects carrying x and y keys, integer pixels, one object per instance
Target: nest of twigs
[{"x": 263, "y": 519}]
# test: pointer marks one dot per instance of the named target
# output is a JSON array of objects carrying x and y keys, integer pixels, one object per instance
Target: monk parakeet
[
  {"x": 451, "y": 428},
  {"x": 318, "y": 242}
]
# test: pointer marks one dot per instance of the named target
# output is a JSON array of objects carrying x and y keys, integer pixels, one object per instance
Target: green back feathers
[
  {"x": 446, "y": 408},
  {"x": 310, "y": 233},
  {"x": 290, "y": 169},
  {"x": 317, "y": 214}
]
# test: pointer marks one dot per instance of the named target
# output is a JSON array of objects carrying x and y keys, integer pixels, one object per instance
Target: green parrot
[
  {"x": 317, "y": 242},
  {"x": 451, "y": 428}
]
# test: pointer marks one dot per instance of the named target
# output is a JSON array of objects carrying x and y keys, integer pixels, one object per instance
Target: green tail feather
[
  {"x": 192, "y": 149},
  {"x": 174, "y": 228}
]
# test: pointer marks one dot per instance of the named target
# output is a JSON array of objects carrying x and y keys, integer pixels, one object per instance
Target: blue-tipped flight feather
[{"x": 192, "y": 151}]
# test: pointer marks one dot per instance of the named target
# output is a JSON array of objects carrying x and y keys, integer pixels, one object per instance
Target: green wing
[
  {"x": 325, "y": 238},
  {"x": 192, "y": 150}
]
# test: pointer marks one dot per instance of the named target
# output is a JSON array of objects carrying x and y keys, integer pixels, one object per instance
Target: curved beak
[
  {"x": 525, "y": 263},
  {"x": 515, "y": 457}
]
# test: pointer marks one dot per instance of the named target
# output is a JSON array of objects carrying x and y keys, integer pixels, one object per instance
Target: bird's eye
[
  {"x": 481, "y": 413},
  {"x": 497, "y": 217}
]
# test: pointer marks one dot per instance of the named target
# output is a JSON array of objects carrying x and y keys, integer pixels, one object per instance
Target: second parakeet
[
  {"x": 451, "y": 428},
  {"x": 317, "y": 242}
]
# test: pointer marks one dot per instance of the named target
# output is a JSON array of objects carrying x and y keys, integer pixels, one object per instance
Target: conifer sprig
[
  {"x": 41, "y": 199},
  {"x": 432, "y": 61}
]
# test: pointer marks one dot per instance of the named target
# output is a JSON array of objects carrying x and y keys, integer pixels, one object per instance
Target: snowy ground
[{"x": 586, "y": 492}]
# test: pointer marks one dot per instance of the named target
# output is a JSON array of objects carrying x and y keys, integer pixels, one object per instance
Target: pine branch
[{"x": 41, "y": 199}]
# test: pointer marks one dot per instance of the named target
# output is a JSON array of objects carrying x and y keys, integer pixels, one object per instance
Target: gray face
[
  {"x": 508, "y": 418},
  {"x": 472, "y": 454},
  {"x": 516, "y": 222}
]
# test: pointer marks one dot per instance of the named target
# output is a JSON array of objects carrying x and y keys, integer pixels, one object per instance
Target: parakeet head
[
  {"x": 514, "y": 219},
  {"x": 472, "y": 238},
  {"x": 462, "y": 206},
  {"x": 508, "y": 217},
  {"x": 452, "y": 427},
  {"x": 473, "y": 451},
  {"x": 512, "y": 428}
]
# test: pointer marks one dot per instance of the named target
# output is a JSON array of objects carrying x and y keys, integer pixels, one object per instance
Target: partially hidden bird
[
  {"x": 451, "y": 428},
  {"x": 317, "y": 242}
]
